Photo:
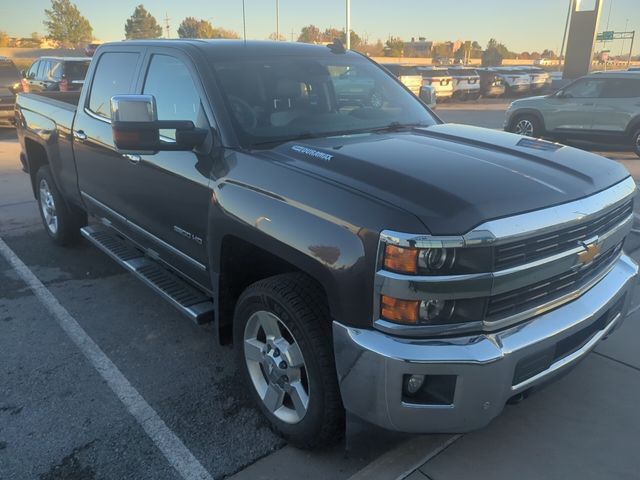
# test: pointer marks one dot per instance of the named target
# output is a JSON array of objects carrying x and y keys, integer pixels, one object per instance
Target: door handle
[
  {"x": 79, "y": 135},
  {"x": 132, "y": 158}
]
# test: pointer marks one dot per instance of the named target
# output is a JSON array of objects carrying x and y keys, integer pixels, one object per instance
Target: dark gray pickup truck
[{"x": 361, "y": 255}]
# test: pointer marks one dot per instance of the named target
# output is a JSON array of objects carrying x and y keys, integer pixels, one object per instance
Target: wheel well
[
  {"x": 634, "y": 125},
  {"x": 36, "y": 157},
  {"x": 533, "y": 113},
  {"x": 242, "y": 264}
]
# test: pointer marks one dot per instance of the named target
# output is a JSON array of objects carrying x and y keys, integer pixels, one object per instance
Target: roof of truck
[{"x": 236, "y": 48}]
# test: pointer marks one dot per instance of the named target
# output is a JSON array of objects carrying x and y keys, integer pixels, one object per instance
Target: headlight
[
  {"x": 432, "y": 311},
  {"x": 437, "y": 260}
]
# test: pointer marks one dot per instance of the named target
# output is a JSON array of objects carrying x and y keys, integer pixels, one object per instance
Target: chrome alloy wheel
[
  {"x": 48, "y": 207},
  {"x": 276, "y": 367},
  {"x": 524, "y": 127}
]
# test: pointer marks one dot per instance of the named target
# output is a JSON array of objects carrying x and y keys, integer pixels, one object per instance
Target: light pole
[
  {"x": 348, "y": 33},
  {"x": 277, "y": 20},
  {"x": 244, "y": 23},
  {"x": 564, "y": 35}
]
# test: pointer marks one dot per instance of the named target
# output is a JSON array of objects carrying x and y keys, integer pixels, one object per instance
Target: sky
[{"x": 521, "y": 25}]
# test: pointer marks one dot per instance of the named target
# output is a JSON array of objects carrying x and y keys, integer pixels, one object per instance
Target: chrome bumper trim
[{"x": 371, "y": 364}]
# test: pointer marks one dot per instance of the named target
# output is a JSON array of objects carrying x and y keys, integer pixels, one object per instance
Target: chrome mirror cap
[{"x": 133, "y": 108}]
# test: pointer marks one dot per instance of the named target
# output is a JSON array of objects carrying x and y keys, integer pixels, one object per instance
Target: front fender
[{"x": 328, "y": 249}]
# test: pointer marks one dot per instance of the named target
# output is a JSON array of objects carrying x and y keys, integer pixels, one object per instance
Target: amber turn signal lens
[
  {"x": 401, "y": 259},
  {"x": 400, "y": 311}
]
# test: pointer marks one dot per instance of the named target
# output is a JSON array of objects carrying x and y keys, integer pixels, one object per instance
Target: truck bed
[{"x": 48, "y": 111}]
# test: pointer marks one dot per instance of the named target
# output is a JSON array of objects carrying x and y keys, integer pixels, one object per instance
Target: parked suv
[
  {"x": 466, "y": 83},
  {"x": 50, "y": 74},
  {"x": 603, "y": 107},
  {"x": 491, "y": 85},
  {"x": 9, "y": 86},
  {"x": 516, "y": 82},
  {"x": 439, "y": 79}
]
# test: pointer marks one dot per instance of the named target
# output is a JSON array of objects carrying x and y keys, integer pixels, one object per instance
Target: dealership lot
[{"x": 60, "y": 417}]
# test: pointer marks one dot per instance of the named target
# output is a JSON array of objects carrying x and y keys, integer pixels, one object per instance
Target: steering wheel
[{"x": 244, "y": 113}]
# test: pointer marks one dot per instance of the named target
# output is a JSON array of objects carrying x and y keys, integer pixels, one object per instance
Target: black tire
[
  {"x": 298, "y": 303},
  {"x": 635, "y": 142},
  {"x": 527, "y": 125},
  {"x": 66, "y": 228}
]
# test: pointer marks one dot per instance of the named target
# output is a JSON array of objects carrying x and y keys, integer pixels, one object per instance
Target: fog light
[{"x": 414, "y": 383}]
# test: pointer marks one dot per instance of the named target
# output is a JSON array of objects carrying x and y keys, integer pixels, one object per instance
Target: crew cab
[{"x": 365, "y": 258}]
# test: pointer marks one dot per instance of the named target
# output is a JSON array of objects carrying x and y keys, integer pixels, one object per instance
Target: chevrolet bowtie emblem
[{"x": 591, "y": 250}]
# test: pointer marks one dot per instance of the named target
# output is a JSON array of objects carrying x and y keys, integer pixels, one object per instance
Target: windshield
[{"x": 290, "y": 97}]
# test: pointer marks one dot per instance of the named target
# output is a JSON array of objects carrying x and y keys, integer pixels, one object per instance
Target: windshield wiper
[{"x": 397, "y": 127}]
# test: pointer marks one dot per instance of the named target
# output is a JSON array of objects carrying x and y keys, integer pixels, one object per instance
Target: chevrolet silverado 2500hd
[{"x": 362, "y": 256}]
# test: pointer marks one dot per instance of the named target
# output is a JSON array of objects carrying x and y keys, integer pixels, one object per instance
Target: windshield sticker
[
  {"x": 312, "y": 153},
  {"x": 538, "y": 144}
]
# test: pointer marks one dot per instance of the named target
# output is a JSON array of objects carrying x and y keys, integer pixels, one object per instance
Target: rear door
[
  {"x": 33, "y": 82},
  {"x": 573, "y": 110},
  {"x": 104, "y": 175},
  {"x": 618, "y": 104}
]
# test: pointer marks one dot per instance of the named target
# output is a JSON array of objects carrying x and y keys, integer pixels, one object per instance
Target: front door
[
  {"x": 168, "y": 195},
  {"x": 573, "y": 109}
]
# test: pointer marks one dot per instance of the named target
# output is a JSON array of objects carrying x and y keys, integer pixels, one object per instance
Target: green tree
[
  {"x": 223, "y": 33},
  {"x": 493, "y": 55},
  {"x": 310, "y": 34},
  {"x": 141, "y": 25},
  {"x": 66, "y": 25},
  {"x": 394, "y": 47},
  {"x": 191, "y": 27}
]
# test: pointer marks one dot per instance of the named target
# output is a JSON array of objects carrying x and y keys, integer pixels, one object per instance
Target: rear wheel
[
  {"x": 282, "y": 333},
  {"x": 636, "y": 142},
  {"x": 61, "y": 223},
  {"x": 526, "y": 125}
]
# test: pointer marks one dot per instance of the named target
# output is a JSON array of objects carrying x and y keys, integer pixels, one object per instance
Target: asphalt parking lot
[{"x": 165, "y": 399}]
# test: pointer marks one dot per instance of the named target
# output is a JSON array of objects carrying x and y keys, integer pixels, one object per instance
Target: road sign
[{"x": 604, "y": 36}]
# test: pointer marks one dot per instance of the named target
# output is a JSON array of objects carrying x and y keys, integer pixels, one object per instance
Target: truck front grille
[
  {"x": 540, "y": 293},
  {"x": 541, "y": 246}
]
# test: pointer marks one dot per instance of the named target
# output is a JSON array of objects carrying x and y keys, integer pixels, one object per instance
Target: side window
[
  {"x": 621, "y": 88},
  {"x": 585, "y": 88},
  {"x": 169, "y": 81},
  {"x": 113, "y": 76},
  {"x": 55, "y": 71},
  {"x": 33, "y": 71},
  {"x": 42, "y": 70}
]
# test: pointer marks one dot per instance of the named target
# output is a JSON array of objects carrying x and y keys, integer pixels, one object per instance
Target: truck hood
[{"x": 454, "y": 177}]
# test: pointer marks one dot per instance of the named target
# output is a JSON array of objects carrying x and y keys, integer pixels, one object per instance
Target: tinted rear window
[
  {"x": 462, "y": 71},
  {"x": 113, "y": 76},
  {"x": 8, "y": 73},
  {"x": 434, "y": 73},
  {"x": 76, "y": 70},
  {"x": 621, "y": 88}
]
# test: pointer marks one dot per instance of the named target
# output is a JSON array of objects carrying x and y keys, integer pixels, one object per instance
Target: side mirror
[{"x": 136, "y": 128}]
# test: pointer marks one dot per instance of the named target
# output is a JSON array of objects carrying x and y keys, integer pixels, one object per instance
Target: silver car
[{"x": 603, "y": 108}]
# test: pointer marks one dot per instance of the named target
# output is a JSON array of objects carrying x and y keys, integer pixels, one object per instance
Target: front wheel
[
  {"x": 635, "y": 145},
  {"x": 526, "y": 125},
  {"x": 282, "y": 333},
  {"x": 61, "y": 222}
]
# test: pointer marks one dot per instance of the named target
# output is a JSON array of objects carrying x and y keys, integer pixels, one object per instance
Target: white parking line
[{"x": 176, "y": 453}]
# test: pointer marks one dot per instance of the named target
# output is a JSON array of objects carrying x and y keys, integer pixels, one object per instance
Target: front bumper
[{"x": 487, "y": 368}]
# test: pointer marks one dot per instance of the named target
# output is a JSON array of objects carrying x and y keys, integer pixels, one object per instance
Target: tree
[
  {"x": 550, "y": 54},
  {"x": 492, "y": 57},
  {"x": 191, "y": 27},
  {"x": 310, "y": 34},
  {"x": 277, "y": 38},
  {"x": 372, "y": 50},
  {"x": 142, "y": 25},
  {"x": 394, "y": 47},
  {"x": 66, "y": 25},
  {"x": 223, "y": 33}
]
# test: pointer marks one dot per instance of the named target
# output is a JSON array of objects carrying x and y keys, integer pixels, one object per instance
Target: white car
[
  {"x": 466, "y": 83},
  {"x": 516, "y": 81},
  {"x": 439, "y": 79},
  {"x": 540, "y": 79}
]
